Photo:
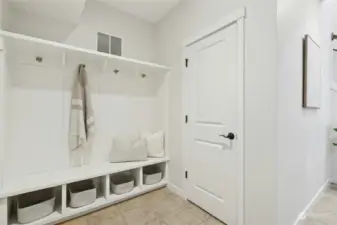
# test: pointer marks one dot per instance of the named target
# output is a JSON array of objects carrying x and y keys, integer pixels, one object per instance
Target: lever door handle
[{"x": 230, "y": 136}]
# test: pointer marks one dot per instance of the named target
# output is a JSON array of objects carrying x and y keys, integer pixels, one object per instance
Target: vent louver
[{"x": 109, "y": 44}]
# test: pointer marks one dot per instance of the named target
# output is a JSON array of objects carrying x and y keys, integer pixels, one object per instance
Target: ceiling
[{"x": 149, "y": 10}]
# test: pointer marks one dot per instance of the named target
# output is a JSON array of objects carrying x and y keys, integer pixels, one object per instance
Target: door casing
[{"x": 237, "y": 17}]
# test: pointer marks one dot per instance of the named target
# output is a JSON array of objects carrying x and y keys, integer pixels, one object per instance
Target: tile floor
[
  {"x": 160, "y": 207},
  {"x": 324, "y": 212}
]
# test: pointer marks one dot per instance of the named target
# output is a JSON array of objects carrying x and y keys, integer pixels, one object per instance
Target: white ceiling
[{"x": 149, "y": 10}]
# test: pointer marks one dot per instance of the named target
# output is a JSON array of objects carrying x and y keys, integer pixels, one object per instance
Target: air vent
[{"x": 109, "y": 44}]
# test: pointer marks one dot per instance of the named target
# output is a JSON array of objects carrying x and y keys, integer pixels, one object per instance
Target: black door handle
[{"x": 230, "y": 136}]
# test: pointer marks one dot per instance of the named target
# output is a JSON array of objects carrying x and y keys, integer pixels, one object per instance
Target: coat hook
[
  {"x": 116, "y": 71},
  {"x": 143, "y": 75},
  {"x": 39, "y": 59},
  {"x": 333, "y": 36}
]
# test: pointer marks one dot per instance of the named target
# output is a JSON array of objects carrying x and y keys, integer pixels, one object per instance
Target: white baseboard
[
  {"x": 303, "y": 214},
  {"x": 176, "y": 190}
]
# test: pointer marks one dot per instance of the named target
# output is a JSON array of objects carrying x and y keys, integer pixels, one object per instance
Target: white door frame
[{"x": 237, "y": 17}]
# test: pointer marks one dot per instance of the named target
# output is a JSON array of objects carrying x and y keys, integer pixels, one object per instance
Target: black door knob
[{"x": 230, "y": 136}]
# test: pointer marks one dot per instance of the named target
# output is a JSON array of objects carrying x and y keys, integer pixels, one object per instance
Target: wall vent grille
[{"x": 109, "y": 44}]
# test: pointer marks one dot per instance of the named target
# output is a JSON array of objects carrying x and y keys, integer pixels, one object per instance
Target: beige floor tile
[
  {"x": 330, "y": 219},
  {"x": 144, "y": 201},
  {"x": 332, "y": 194},
  {"x": 156, "y": 220},
  {"x": 96, "y": 220},
  {"x": 78, "y": 221},
  {"x": 312, "y": 221},
  {"x": 168, "y": 204},
  {"x": 108, "y": 212},
  {"x": 198, "y": 212},
  {"x": 155, "y": 197},
  {"x": 173, "y": 220},
  {"x": 131, "y": 205},
  {"x": 184, "y": 216},
  {"x": 213, "y": 221},
  {"x": 142, "y": 216},
  {"x": 325, "y": 205},
  {"x": 160, "y": 207}
]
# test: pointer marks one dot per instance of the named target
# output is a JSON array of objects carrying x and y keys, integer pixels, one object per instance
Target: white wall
[
  {"x": 3, "y": 88},
  {"x": 137, "y": 35},
  {"x": 69, "y": 11},
  {"x": 303, "y": 145},
  {"x": 260, "y": 93},
  {"x": 36, "y": 25},
  {"x": 334, "y": 104}
]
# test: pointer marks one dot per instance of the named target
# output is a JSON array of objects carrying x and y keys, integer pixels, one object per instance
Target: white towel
[{"x": 82, "y": 121}]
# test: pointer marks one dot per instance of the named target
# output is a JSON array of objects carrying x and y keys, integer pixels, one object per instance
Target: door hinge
[
  {"x": 186, "y": 118},
  {"x": 186, "y": 174},
  {"x": 186, "y": 63}
]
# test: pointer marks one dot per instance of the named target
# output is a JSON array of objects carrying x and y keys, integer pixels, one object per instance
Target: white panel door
[{"x": 214, "y": 119}]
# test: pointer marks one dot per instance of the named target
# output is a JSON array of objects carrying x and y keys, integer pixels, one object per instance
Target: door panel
[
  {"x": 210, "y": 133},
  {"x": 214, "y": 111}
]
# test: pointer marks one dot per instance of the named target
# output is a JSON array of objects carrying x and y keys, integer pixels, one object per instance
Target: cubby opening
[
  {"x": 124, "y": 182},
  {"x": 154, "y": 174},
  {"x": 84, "y": 193},
  {"x": 34, "y": 206}
]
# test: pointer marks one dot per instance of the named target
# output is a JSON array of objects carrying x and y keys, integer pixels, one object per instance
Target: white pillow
[
  {"x": 155, "y": 144},
  {"x": 123, "y": 142},
  {"x": 128, "y": 149}
]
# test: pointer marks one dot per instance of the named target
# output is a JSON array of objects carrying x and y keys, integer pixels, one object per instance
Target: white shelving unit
[
  {"x": 44, "y": 180},
  {"x": 23, "y": 47},
  {"x": 101, "y": 202},
  {"x": 20, "y": 57}
]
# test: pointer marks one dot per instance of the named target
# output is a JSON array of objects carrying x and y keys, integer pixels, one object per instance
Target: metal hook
[
  {"x": 39, "y": 59},
  {"x": 333, "y": 36}
]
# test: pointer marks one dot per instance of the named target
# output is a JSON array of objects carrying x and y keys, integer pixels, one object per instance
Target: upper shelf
[{"x": 31, "y": 50}]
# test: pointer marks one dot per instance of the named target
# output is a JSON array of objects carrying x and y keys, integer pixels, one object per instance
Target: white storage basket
[
  {"x": 152, "y": 175},
  {"x": 35, "y": 205},
  {"x": 122, "y": 183},
  {"x": 82, "y": 193}
]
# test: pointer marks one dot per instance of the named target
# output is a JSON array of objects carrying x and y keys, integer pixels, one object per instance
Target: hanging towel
[{"x": 82, "y": 121}]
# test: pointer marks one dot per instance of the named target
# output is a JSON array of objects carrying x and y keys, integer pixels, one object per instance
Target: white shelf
[
  {"x": 47, "y": 220},
  {"x": 98, "y": 204},
  {"x": 118, "y": 198},
  {"x": 25, "y": 49},
  {"x": 136, "y": 191},
  {"x": 57, "y": 178}
]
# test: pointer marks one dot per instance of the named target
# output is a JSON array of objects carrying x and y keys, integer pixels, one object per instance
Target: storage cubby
[
  {"x": 34, "y": 206},
  {"x": 124, "y": 182},
  {"x": 153, "y": 174},
  {"x": 81, "y": 193}
]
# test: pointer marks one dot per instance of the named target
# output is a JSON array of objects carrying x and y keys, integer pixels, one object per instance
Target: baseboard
[
  {"x": 176, "y": 190},
  {"x": 303, "y": 214}
]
